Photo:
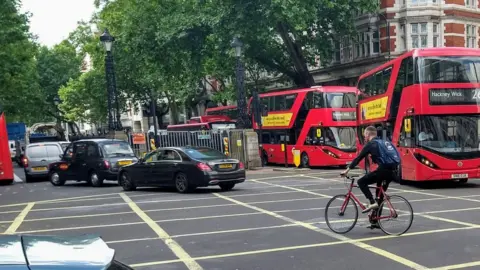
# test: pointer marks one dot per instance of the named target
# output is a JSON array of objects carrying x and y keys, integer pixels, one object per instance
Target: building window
[
  {"x": 362, "y": 46},
  {"x": 376, "y": 41},
  {"x": 346, "y": 50},
  {"x": 419, "y": 35},
  {"x": 470, "y": 3},
  {"x": 336, "y": 50},
  {"x": 471, "y": 36},
  {"x": 436, "y": 42},
  {"x": 403, "y": 36}
]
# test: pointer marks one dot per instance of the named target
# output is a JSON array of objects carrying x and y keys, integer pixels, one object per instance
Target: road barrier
[{"x": 230, "y": 142}]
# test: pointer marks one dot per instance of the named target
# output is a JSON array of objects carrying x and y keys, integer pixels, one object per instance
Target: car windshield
[
  {"x": 340, "y": 137},
  {"x": 113, "y": 149},
  {"x": 204, "y": 154},
  {"x": 451, "y": 135},
  {"x": 37, "y": 151}
]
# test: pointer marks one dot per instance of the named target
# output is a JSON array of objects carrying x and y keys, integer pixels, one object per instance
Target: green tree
[
  {"x": 18, "y": 77},
  {"x": 55, "y": 67}
]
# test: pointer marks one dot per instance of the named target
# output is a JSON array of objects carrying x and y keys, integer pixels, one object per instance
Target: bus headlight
[
  {"x": 425, "y": 161},
  {"x": 330, "y": 153}
]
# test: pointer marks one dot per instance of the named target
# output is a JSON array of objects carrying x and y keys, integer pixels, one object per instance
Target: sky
[{"x": 53, "y": 20}]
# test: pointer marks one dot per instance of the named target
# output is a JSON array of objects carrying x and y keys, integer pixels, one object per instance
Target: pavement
[{"x": 275, "y": 220}]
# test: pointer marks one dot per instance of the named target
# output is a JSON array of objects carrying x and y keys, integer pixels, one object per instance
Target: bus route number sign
[{"x": 457, "y": 96}]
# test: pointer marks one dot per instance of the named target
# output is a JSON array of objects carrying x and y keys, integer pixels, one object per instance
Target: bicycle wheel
[
  {"x": 344, "y": 221},
  {"x": 402, "y": 214}
]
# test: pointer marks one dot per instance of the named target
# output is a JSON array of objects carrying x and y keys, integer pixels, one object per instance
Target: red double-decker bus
[
  {"x": 318, "y": 121},
  {"x": 427, "y": 102},
  {"x": 6, "y": 166},
  {"x": 206, "y": 122},
  {"x": 230, "y": 111}
]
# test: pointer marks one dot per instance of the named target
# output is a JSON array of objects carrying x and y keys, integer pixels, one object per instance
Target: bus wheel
[
  {"x": 463, "y": 180},
  {"x": 399, "y": 176},
  {"x": 305, "y": 160}
]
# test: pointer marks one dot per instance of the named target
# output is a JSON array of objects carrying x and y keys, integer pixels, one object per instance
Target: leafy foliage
[{"x": 17, "y": 66}]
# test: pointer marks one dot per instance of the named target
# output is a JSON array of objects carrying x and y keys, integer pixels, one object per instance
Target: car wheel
[
  {"x": 95, "y": 179},
  {"x": 126, "y": 182},
  {"x": 28, "y": 178},
  {"x": 181, "y": 183},
  {"x": 226, "y": 186},
  {"x": 55, "y": 179}
]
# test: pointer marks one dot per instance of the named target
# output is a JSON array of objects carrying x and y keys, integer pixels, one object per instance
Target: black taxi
[{"x": 91, "y": 160}]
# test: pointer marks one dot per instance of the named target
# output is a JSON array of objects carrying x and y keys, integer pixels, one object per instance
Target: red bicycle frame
[{"x": 393, "y": 213}]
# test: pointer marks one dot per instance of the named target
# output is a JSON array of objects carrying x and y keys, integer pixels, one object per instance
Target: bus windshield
[
  {"x": 451, "y": 135},
  {"x": 449, "y": 69},
  {"x": 340, "y": 137},
  {"x": 341, "y": 100}
]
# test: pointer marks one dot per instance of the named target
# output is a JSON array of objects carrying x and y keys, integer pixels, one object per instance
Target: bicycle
[{"x": 374, "y": 216}]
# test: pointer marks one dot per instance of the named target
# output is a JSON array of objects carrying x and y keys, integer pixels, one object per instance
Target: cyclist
[{"x": 385, "y": 155}]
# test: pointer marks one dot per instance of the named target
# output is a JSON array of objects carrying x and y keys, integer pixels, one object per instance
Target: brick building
[{"x": 413, "y": 24}]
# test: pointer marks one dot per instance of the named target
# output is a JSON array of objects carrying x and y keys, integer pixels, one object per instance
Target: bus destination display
[
  {"x": 344, "y": 116},
  {"x": 455, "y": 96}
]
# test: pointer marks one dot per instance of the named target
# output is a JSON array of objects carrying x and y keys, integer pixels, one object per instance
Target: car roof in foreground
[{"x": 85, "y": 251}]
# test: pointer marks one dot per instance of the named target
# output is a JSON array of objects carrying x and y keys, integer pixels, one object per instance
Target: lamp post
[
  {"x": 113, "y": 106},
  {"x": 242, "y": 119},
  {"x": 384, "y": 18}
]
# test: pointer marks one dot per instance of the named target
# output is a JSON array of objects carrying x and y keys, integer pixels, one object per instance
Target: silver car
[{"x": 39, "y": 155}]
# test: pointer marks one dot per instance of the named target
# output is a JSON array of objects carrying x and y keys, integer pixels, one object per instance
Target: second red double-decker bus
[
  {"x": 318, "y": 121},
  {"x": 427, "y": 102},
  {"x": 230, "y": 111}
]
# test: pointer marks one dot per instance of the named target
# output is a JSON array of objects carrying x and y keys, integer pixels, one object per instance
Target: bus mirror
[
  {"x": 319, "y": 132},
  {"x": 407, "y": 125}
]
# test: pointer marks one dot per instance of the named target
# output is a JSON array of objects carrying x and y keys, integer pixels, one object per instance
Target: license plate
[
  {"x": 124, "y": 162},
  {"x": 39, "y": 169},
  {"x": 225, "y": 166},
  {"x": 460, "y": 175}
]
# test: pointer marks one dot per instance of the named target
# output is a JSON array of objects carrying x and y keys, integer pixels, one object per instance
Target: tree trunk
[{"x": 304, "y": 79}]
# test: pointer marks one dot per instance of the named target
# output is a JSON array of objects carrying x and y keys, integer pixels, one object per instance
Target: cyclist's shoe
[
  {"x": 373, "y": 226},
  {"x": 370, "y": 207}
]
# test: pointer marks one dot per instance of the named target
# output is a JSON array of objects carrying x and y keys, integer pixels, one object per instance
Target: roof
[
  {"x": 99, "y": 140},
  {"x": 182, "y": 148},
  {"x": 425, "y": 52},
  {"x": 85, "y": 252},
  {"x": 47, "y": 142}
]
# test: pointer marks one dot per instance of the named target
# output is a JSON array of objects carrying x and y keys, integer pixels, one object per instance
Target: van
[
  {"x": 13, "y": 151},
  {"x": 38, "y": 157}
]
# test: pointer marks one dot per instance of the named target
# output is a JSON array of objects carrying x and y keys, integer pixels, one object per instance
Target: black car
[
  {"x": 92, "y": 160},
  {"x": 185, "y": 168}
]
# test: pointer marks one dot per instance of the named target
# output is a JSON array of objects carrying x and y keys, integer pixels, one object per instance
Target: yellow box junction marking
[
  {"x": 362, "y": 245},
  {"x": 19, "y": 219},
  {"x": 162, "y": 234}
]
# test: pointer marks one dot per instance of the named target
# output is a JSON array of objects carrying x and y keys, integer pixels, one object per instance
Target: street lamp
[
  {"x": 382, "y": 17},
  {"x": 242, "y": 119},
  {"x": 113, "y": 113},
  {"x": 56, "y": 101}
]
